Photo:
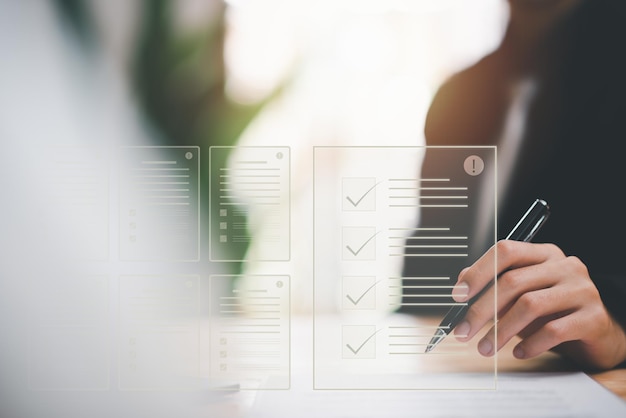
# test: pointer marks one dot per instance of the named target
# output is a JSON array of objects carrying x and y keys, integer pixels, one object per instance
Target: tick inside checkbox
[
  {"x": 359, "y": 194},
  {"x": 359, "y": 341},
  {"x": 359, "y": 292},
  {"x": 359, "y": 243}
]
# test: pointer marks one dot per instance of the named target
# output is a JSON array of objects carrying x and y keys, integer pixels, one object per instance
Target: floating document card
[
  {"x": 77, "y": 200},
  {"x": 159, "y": 203},
  {"x": 250, "y": 183},
  {"x": 69, "y": 334},
  {"x": 158, "y": 332},
  {"x": 381, "y": 215},
  {"x": 250, "y": 335}
]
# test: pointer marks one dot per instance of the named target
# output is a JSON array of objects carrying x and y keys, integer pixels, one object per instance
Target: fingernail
[
  {"x": 460, "y": 292},
  {"x": 462, "y": 330},
  {"x": 518, "y": 352},
  {"x": 484, "y": 347}
]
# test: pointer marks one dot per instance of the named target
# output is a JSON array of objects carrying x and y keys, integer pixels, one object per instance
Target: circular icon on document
[{"x": 473, "y": 165}]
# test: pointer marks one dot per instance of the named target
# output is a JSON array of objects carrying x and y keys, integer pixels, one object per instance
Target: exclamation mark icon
[{"x": 473, "y": 165}]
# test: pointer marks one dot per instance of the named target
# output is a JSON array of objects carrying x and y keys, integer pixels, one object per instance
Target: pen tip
[{"x": 439, "y": 335}]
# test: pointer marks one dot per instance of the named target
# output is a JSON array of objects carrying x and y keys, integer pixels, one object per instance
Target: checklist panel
[
  {"x": 158, "y": 344},
  {"x": 386, "y": 216},
  {"x": 69, "y": 337},
  {"x": 250, "y": 330},
  {"x": 77, "y": 196},
  {"x": 452, "y": 196},
  {"x": 250, "y": 183},
  {"x": 159, "y": 203}
]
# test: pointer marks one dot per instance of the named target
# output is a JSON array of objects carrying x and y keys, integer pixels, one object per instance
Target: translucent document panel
[
  {"x": 390, "y": 236},
  {"x": 250, "y": 335},
  {"x": 159, "y": 203},
  {"x": 77, "y": 200},
  {"x": 158, "y": 344},
  {"x": 69, "y": 337},
  {"x": 250, "y": 199}
]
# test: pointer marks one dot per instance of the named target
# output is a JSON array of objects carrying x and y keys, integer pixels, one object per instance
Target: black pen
[{"x": 525, "y": 230}]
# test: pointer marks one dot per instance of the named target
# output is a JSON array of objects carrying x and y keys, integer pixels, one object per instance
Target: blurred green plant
[
  {"x": 179, "y": 78},
  {"x": 76, "y": 14}
]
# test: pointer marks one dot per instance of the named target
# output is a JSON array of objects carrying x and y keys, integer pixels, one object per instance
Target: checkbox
[
  {"x": 223, "y": 225},
  {"x": 223, "y": 238},
  {"x": 359, "y": 292},
  {"x": 358, "y": 341},
  {"x": 359, "y": 194},
  {"x": 359, "y": 243},
  {"x": 223, "y": 212}
]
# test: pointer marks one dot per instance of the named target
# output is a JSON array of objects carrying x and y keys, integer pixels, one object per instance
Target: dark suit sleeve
[{"x": 571, "y": 152}]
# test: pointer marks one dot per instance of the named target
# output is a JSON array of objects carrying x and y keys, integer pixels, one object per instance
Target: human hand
[{"x": 546, "y": 298}]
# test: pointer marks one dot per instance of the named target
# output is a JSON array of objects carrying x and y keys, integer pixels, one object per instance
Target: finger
[
  {"x": 540, "y": 322},
  {"x": 551, "y": 334},
  {"x": 505, "y": 255},
  {"x": 479, "y": 313},
  {"x": 527, "y": 308},
  {"x": 514, "y": 283},
  {"x": 511, "y": 285}
]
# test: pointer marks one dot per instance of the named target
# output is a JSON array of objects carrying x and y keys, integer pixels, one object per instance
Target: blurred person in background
[
  {"x": 551, "y": 97},
  {"x": 356, "y": 73}
]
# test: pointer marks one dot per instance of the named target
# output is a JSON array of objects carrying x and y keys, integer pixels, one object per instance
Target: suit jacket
[{"x": 572, "y": 150}]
